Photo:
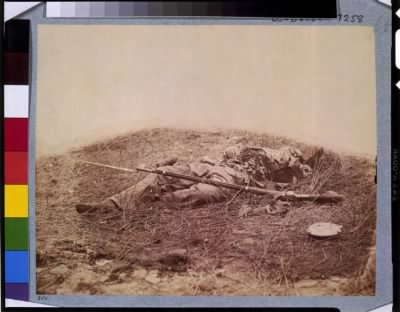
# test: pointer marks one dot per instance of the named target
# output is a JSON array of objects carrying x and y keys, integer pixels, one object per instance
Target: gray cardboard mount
[{"x": 376, "y": 15}]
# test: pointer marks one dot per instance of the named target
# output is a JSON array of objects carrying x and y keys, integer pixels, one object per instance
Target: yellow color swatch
[{"x": 16, "y": 201}]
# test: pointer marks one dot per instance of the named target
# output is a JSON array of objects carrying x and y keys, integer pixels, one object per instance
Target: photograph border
[{"x": 378, "y": 17}]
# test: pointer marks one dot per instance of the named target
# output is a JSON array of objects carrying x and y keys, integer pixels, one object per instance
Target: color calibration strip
[
  {"x": 241, "y": 8},
  {"x": 16, "y": 112}
]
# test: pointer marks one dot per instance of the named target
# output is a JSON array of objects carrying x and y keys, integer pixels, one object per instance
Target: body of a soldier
[
  {"x": 232, "y": 169},
  {"x": 156, "y": 187}
]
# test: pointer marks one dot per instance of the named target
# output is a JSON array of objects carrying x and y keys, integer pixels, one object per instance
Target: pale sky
[{"x": 311, "y": 83}]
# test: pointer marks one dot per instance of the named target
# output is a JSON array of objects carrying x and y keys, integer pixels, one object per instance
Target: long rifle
[{"x": 285, "y": 195}]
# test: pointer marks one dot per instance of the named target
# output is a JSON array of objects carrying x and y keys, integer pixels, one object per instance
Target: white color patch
[
  {"x": 397, "y": 43},
  {"x": 387, "y": 2},
  {"x": 11, "y": 303},
  {"x": 53, "y": 9},
  {"x": 385, "y": 308},
  {"x": 16, "y": 101},
  {"x": 12, "y": 9}
]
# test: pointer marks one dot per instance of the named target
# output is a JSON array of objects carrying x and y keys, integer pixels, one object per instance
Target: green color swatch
[{"x": 16, "y": 233}]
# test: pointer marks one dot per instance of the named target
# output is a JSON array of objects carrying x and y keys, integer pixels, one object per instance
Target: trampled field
[{"x": 208, "y": 250}]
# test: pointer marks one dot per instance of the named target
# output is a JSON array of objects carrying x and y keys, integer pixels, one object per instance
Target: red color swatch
[
  {"x": 15, "y": 134},
  {"x": 16, "y": 168}
]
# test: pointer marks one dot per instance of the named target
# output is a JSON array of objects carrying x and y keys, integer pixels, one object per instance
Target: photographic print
[{"x": 205, "y": 160}]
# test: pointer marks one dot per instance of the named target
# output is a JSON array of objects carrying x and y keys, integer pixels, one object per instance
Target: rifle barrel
[
  {"x": 255, "y": 190},
  {"x": 211, "y": 182},
  {"x": 107, "y": 166}
]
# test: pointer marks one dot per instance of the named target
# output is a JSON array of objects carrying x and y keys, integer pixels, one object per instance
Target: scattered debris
[
  {"x": 102, "y": 262},
  {"x": 140, "y": 273},
  {"x": 174, "y": 258},
  {"x": 245, "y": 210},
  {"x": 324, "y": 230},
  {"x": 178, "y": 252},
  {"x": 121, "y": 266},
  {"x": 275, "y": 207},
  {"x": 153, "y": 277},
  {"x": 207, "y": 284},
  {"x": 211, "y": 235},
  {"x": 249, "y": 241},
  {"x": 60, "y": 270}
]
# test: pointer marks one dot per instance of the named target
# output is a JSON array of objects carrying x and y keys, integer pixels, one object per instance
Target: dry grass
[{"x": 265, "y": 247}]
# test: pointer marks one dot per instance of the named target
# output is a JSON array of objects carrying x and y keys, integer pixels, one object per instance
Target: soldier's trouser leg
[
  {"x": 150, "y": 187},
  {"x": 195, "y": 195}
]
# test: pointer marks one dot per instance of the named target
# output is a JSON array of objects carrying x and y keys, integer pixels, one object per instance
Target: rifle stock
[{"x": 285, "y": 195}]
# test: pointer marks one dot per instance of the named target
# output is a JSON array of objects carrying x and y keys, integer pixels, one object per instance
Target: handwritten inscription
[
  {"x": 347, "y": 18},
  {"x": 344, "y": 18},
  {"x": 395, "y": 174},
  {"x": 42, "y": 298}
]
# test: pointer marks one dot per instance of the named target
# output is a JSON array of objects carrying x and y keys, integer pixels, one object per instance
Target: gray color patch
[
  {"x": 140, "y": 8},
  {"x": 82, "y": 9},
  {"x": 111, "y": 9},
  {"x": 125, "y": 8},
  {"x": 68, "y": 9},
  {"x": 97, "y": 9}
]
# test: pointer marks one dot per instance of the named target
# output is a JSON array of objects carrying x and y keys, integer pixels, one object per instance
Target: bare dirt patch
[{"x": 156, "y": 250}]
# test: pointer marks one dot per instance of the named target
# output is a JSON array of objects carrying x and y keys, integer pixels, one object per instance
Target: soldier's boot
[
  {"x": 106, "y": 206},
  {"x": 167, "y": 162}
]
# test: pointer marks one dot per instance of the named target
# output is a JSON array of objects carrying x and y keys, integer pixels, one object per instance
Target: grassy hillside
[{"x": 264, "y": 247}]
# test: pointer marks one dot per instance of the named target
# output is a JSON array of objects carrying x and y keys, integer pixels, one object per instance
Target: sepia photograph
[{"x": 205, "y": 160}]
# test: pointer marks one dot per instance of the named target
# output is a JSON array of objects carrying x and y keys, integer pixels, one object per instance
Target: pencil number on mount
[
  {"x": 350, "y": 18},
  {"x": 42, "y": 298}
]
